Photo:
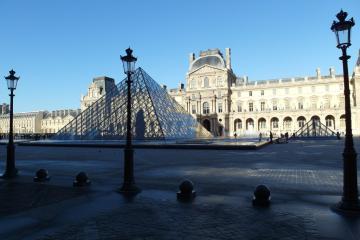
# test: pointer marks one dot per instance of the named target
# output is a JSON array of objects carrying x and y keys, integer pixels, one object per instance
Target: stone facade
[
  {"x": 54, "y": 121},
  {"x": 51, "y": 122},
  {"x": 99, "y": 87},
  {"x": 226, "y": 104},
  {"x": 4, "y": 108},
  {"x": 29, "y": 122}
]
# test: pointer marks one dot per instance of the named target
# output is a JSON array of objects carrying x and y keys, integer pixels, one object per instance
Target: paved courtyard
[{"x": 305, "y": 178}]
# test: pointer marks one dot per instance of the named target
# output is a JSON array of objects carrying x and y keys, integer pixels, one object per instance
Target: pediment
[{"x": 206, "y": 69}]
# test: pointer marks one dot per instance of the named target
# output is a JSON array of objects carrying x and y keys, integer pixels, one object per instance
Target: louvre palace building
[{"x": 227, "y": 104}]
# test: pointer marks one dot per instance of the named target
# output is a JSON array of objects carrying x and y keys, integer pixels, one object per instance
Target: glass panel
[{"x": 155, "y": 115}]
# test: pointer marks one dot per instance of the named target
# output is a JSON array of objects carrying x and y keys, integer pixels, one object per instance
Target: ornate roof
[{"x": 212, "y": 60}]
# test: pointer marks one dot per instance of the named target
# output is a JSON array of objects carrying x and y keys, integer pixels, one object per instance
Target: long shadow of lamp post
[
  {"x": 129, "y": 186},
  {"x": 11, "y": 171},
  {"x": 350, "y": 201}
]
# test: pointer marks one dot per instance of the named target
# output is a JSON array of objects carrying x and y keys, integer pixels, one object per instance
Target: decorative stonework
[{"x": 279, "y": 105}]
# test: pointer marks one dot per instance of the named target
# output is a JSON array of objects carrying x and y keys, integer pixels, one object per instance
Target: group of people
[{"x": 284, "y": 138}]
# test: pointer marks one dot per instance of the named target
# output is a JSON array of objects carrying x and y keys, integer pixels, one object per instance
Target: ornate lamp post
[
  {"x": 350, "y": 200},
  {"x": 11, "y": 170},
  {"x": 129, "y": 186}
]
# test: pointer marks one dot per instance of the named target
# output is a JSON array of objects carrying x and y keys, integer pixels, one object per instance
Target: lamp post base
[
  {"x": 129, "y": 189},
  {"x": 347, "y": 207},
  {"x": 8, "y": 174}
]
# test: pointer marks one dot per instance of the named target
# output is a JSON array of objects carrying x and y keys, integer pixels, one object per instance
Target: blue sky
[{"x": 57, "y": 47}]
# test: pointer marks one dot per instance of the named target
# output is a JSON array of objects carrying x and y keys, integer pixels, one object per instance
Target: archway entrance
[{"x": 206, "y": 124}]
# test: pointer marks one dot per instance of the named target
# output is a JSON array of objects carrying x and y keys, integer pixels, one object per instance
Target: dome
[{"x": 215, "y": 61}]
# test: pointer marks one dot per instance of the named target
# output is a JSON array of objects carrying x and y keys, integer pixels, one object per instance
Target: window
[
  {"x": 286, "y": 91},
  {"x": 237, "y": 124},
  {"x": 220, "y": 109},
  {"x": 219, "y": 94},
  {"x": 299, "y": 89},
  {"x": 192, "y": 83},
  {"x": 313, "y": 89},
  {"x": 219, "y": 81},
  {"x": 239, "y": 107},
  {"x": 342, "y": 121},
  {"x": 301, "y": 122},
  {"x": 206, "y": 82},
  {"x": 193, "y": 96},
  {"x": 329, "y": 122},
  {"x": 250, "y": 93},
  {"x": 206, "y": 108},
  {"x": 262, "y": 123},
  {"x": 262, "y": 92},
  {"x": 287, "y": 104},
  {"x": 193, "y": 109},
  {"x": 239, "y": 94},
  {"x": 300, "y": 105},
  {"x": 274, "y": 105},
  {"x": 327, "y": 88},
  {"x": 274, "y": 91},
  {"x": 275, "y": 123},
  {"x": 262, "y": 106},
  {"x": 287, "y": 123},
  {"x": 251, "y": 107},
  {"x": 313, "y": 104}
]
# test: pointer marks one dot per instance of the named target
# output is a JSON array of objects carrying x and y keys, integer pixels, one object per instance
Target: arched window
[
  {"x": 342, "y": 122},
  {"x": 206, "y": 109},
  {"x": 274, "y": 123},
  {"x": 301, "y": 121},
  {"x": 206, "y": 82},
  {"x": 330, "y": 121},
  {"x": 237, "y": 124},
  {"x": 249, "y": 124},
  {"x": 316, "y": 120},
  {"x": 287, "y": 123},
  {"x": 262, "y": 123},
  {"x": 206, "y": 124}
]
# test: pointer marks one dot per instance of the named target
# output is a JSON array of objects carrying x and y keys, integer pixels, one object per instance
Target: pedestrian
[
  {"x": 235, "y": 135},
  {"x": 260, "y": 136},
  {"x": 338, "y": 135},
  {"x": 271, "y": 137}
]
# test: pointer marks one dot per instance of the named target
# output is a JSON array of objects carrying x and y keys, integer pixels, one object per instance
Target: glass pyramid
[
  {"x": 155, "y": 115},
  {"x": 314, "y": 128}
]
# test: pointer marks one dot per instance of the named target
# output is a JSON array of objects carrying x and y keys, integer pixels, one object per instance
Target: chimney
[
  {"x": 228, "y": 58},
  {"x": 318, "y": 73},
  {"x": 191, "y": 59}
]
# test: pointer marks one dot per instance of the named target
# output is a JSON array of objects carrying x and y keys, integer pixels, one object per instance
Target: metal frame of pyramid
[
  {"x": 314, "y": 128},
  {"x": 155, "y": 115}
]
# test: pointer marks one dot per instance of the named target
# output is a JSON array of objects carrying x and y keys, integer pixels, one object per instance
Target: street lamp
[
  {"x": 11, "y": 171},
  {"x": 129, "y": 186},
  {"x": 350, "y": 200}
]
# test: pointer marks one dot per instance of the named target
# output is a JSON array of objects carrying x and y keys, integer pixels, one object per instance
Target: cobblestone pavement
[
  {"x": 305, "y": 178},
  {"x": 163, "y": 220}
]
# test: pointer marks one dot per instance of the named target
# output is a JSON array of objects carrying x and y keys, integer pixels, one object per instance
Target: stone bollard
[
  {"x": 261, "y": 196},
  {"x": 81, "y": 180},
  {"x": 41, "y": 175},
  {"x": 186, "y": 192}
]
